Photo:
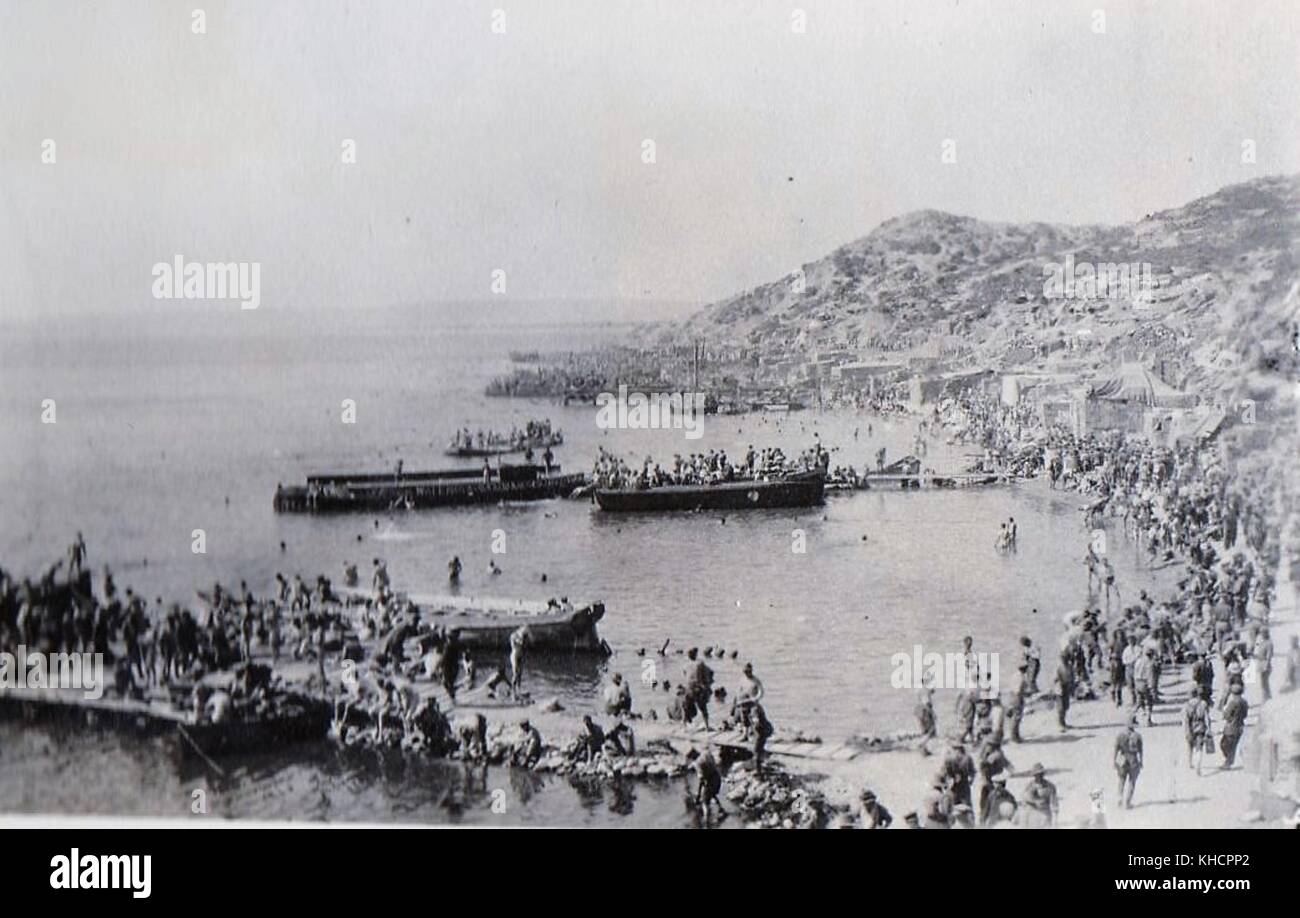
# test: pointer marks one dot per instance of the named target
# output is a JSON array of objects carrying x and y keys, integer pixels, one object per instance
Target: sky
[{"x": 511, "y": 136}]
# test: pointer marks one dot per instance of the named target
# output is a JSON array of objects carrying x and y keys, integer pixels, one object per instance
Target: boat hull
[
  {"x": 419, "y": 495},
  {"x": 797, "y": 491},
  {"x": 485, "y": 625}
]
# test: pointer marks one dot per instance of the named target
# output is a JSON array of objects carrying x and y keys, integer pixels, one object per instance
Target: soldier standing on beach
[
  {"x": 1015, "y": 706},
  {"x": 1235, "y": 710},
  {"x": 959, "y": 772},
  {"x": 1128, "y": 761},
  {"x": 1196, "y": 727},
  {"x": 1064, "y": 691},
  {"x": 925, "y": 719}
]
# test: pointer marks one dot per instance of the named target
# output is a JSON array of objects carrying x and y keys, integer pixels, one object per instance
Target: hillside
[{"x": 1222, "y": 304}]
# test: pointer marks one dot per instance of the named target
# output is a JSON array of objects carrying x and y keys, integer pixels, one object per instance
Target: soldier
[
  {"x": 925, "y": 719},
  {"x": 1128, "y": 761},
  {"x": 999, "y": 805},
  {"x": 959, "y": 772},
  {"x": 76, "y": 556},
  {"x": 1234, "y": 723},
  {"x": 1041, "y": 805},
  {"x": 872, "y": 815},
  {"x": 1064, "y": 690},
  {"x": 1032, "y": 664},
  {"x": 1144, "y": 681},
  {"x": 1196, "y": 728},
  {"x": 709, "y": 784},
  {"x": 762, "y": 730},
  {"x": 938, "y": 806},
  {"x": 1016, "y": 704},
  {"x": 993, "y": 763},
  {"x": 1263, "y": 654},
  {"x": 1203, "y": 675},
  {"x": 966, "y": 713}
]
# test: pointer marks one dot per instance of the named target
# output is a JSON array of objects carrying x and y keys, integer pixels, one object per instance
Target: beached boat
[
  {"x": 299, "y": 719},
  {"x": 347, "y": 491},
  {"x": 486, "y": 624},
  {"x": 803, "y": 489},
  {"x": 503, "y": 447}
]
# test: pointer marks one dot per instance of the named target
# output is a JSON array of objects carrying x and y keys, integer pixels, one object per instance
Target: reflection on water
[{"x": 50, "y": 769}]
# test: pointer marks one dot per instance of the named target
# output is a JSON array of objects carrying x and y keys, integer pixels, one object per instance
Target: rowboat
[
  {"x": 486, "y": 624},
  {"x": 804, "y": 489}
]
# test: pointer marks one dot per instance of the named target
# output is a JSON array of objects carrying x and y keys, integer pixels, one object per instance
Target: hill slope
[{"x": 1223, "y": 298}]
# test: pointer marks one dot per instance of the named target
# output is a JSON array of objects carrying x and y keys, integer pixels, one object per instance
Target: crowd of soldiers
[{"x": 1180, "y": 506}]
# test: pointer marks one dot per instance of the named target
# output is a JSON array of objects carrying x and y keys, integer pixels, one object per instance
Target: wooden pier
[{"x": 907, "y": 481}]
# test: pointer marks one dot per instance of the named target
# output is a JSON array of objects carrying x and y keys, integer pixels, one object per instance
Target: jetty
[
  {"x": 906, "y": 481},
  {"x": 342, "y": 492}
]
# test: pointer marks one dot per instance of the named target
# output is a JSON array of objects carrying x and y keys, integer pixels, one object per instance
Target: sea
[{"x": 167, "y": 422}]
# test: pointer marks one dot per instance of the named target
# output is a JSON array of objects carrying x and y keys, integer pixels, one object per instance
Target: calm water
[{"x": 164, "y": 427}]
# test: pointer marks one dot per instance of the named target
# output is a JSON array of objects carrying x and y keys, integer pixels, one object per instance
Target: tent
[{"x": 1136, "y": 384}]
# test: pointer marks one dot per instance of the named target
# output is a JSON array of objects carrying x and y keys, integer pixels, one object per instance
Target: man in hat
[
  {"x": 1128, "y": 761},
  {"x": 872, "y": 815},
  {"x": 1235, "y": 710},
  {"x": 999, "y": 805},
  {"x": 1041, "y": 805},
  {"x": 958, "y": 771}
]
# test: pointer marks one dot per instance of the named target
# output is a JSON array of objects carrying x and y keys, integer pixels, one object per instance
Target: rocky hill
[{"x": 1220, "y": 309}]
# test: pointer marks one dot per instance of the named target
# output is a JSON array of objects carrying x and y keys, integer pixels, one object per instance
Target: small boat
[
  {"x": 803, "y": 489},
  {"x": 486, "y": 624},
  {"x": 308, "y": 721}
]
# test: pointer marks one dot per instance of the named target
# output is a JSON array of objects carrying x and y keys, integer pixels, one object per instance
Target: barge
[
  {"x": 343, "y": 492},
  {"x": 804, "y": 489}
]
